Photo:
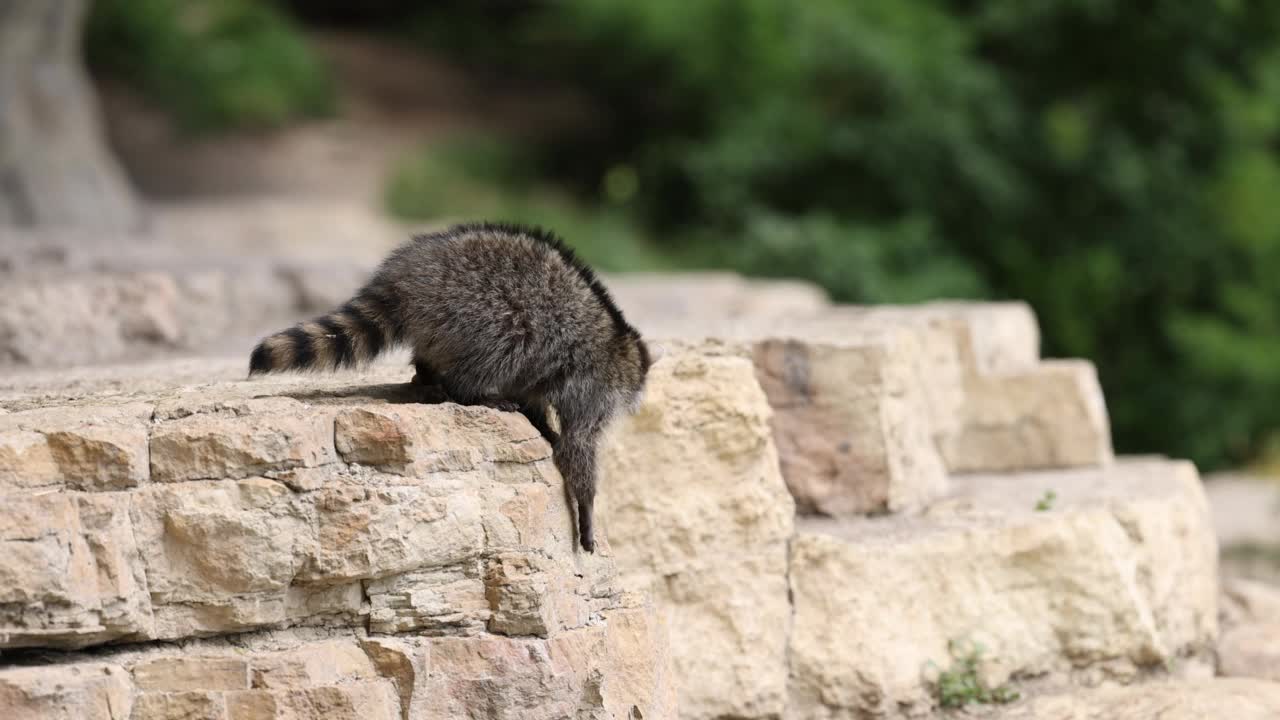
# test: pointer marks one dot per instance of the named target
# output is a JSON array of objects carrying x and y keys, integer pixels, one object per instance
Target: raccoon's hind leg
[
  {"x": 536, "y": 412},
  {"x": 582, "y": 417},
  {"x": 424, "y": 374},
  {"x": 575, "y": 456},
  {"x": 459, "y": 393},
  {"x": 426, "y": 383}
]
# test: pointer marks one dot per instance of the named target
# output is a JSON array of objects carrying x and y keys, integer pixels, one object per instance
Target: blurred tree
[
  {"x": 54, "y": 167},
  {"x": 1113, "y": 162},
  {"x": 212, "y": 64}
]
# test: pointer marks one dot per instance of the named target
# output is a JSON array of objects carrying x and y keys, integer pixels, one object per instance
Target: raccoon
[{"x": 497, "y": 315}]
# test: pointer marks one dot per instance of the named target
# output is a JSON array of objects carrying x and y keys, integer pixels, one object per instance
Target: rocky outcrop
[
  {"x": 699, "y": 516},
  {"x": 1196, "y": 700},
  {"x": 796, "y": 524},
  {"x": 1118, "y": 576},
  {"x": 203, "y": 278},
  {"x": 1069, "y": 569},
  {"x": 875, "y": 406},
  {"x": 386, "y": 559}
]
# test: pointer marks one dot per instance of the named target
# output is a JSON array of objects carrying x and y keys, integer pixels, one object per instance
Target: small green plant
[
  {"x": 1045, "y": 503},
  {"x": 961, "y": 685}
]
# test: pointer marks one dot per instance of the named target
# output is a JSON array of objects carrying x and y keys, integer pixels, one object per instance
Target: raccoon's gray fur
[{"x": 496, "y": 315}]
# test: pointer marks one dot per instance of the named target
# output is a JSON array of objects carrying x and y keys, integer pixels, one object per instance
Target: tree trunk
[{"x": 54, "y": 166}]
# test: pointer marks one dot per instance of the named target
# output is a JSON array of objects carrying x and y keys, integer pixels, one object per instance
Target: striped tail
[{"x": 353, "y": 334}]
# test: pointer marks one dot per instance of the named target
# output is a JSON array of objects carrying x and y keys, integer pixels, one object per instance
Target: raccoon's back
[
  {"x": 502, "y": 300},
  {"x": 497, "y": 288}
]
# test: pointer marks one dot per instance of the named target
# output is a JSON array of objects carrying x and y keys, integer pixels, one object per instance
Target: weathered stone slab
[
  {"x": 1118, "y": 574},
  {"x": 698, "y": 515}
]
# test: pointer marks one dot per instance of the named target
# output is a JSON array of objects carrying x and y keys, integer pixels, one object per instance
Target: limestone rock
[
  {"x": 185, "y": 705},
  {"x": 349, "y": 586},
  {"x": 178, "y": 674},
  {"x": 89, "y": 448},
  {"x": 202, "y": 447},
  {"x": 697, "y": 514},
  {"x": 1050, "y": 416},
  {"x": 1249, "y": 601},
  {"x": 1118, "y": 575},
  {"x": 84, "y": 691},
  {"x": 639, "y": 680},
  {"x": 852, "y": 419},
  {"x": 70, "y": 571},
  {"x": 710, "y": 303},
  {"x": 1231, "y": 699},
  {"x": 1250, "y": 650},
  {"x": 874, "y": 406}
]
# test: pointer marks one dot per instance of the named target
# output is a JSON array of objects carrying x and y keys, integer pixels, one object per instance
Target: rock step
[
  {"x": 1217, "y": 699},
  {"x": 778, "y": 616},
  {"x": 875, "y": 407},
  {"x": 214, "y": 511},
  {"x": 601, "y": 672},
  {"x": 295, "y": 508},
  {"x": 1085, "y": 574}
]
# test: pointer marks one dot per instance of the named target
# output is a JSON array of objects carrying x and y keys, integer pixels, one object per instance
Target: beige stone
[
  {"x": 991, "y": 337},
  {"x": 372, "y": 700},
  {"x": 1118, "y": 575},
  {"x": 83, "y": 449},
  {"x": 70, "y": 571},
  {"x": 540, "y": 679},
  {"x": 640, "y": 681},
  {"x": 440, "y": 601},
  {"x": 202, "y": 447},
  {"x": 697, "y": 513},
  {"x": 330, "y": 662},
  {"x": 517, "y": 587},
  {"x": 256, "y": 522},
  {"x": 1250, "y": 650},
  {"x": 1051, "y": 416},
  {"x": 992, "y": 404},
  {"x": 177, "y": 674},
  {"x": 102, "y": 457},
  {"x": 1223, "y": 699},
  {"x": 79, "y": 318},
  {"x": 85, "y": 691},
  {"x": 185, "y": 705},
  {"x": 26, "y": 461},
  {"x": 708, "y": 303},
  {"x": 424, "y": 438},
  {"x": 1249, "y": 601},
  {"x": 852, "y": 420},
  {"x": 875, "y": 405}
]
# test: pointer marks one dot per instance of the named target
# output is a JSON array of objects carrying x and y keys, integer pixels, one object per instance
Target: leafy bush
[
  {"x": 213, "y": 64},
  {"x": 474, "y": 177},
  {"x": 1114, "y": 163}
]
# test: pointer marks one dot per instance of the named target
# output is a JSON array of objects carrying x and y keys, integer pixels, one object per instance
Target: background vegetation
[
  {"x": 213, "y": 64},
  {"x": 1112, "y": 162}
]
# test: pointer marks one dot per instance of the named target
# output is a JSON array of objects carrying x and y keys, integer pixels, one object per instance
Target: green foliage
[
  {"x": 1045, "y": 503},
  {"x": 476, "y": 177},
  {"x": 961, "y": 684},
  {"x": 213, "y": 64},
  {"x": 1114, "y": 163}
]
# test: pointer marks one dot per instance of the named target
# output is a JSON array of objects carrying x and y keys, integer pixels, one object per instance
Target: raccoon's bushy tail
[{"x": 353, "y": 334}]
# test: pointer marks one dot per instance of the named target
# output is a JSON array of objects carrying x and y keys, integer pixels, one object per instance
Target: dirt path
[{"x": 392, "y": 100}]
